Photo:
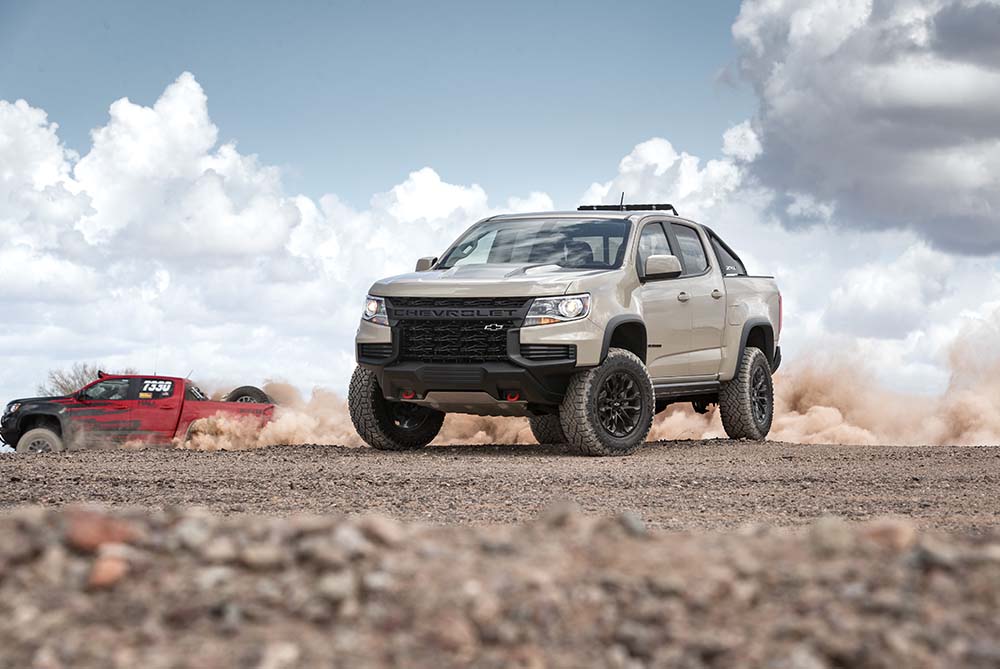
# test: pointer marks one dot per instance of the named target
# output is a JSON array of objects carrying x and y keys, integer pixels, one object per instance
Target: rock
[
  {"x": 337, "y": 586},
  {"x": 280, "y": 655},
  {"x": 632, "y": 523},
  {"x": 352, "y": 541},
  {"x": 382, "y": 529},
  {"x": 454, "y": 634},
  {"x": 831, "y": 535},
  {"x": 193, "y": 533},
  {"x": 219, "y": 549},
  {"x": 559, "y": 514},
  {"x": 87, "y": 530},
  {"x": 893, "y": 534},
  {"x": 262, "y": 555},
  {"x": 107, "y": 571}
]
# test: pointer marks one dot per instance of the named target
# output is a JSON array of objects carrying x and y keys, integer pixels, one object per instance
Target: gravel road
[{"x": 676, "y": 485}]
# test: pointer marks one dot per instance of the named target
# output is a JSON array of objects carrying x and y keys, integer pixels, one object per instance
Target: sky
[
  {"x": 215, "y": 188},
  {"x": 349, "y": 96}
]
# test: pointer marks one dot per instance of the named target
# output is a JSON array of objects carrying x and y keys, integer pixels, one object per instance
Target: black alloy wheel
[
  {"x": 760, "y": 396},
  {"x": 619, "y": 405},
  {"x": 407, "y": 416}
]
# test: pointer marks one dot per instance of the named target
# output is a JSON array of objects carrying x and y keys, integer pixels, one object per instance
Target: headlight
[
  {"x": 375, "y": 310},
  {"x": 545, "y": 310},
  {"x": 12, "y": 407}
]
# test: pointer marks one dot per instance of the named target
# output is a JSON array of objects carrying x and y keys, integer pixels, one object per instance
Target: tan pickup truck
[{"x": 587, "y": 322}]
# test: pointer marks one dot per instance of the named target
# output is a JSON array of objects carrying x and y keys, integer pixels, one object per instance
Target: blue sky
[{"x": 349, "y": 97}]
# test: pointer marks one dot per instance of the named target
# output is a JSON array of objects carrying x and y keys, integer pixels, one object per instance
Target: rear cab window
[{"x": 731, "y": 265}]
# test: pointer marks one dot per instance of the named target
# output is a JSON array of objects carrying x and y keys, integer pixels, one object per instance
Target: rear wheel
[
  {"x": 388, "y": 425},
  {"x": 249, "y": 394},
  {"x": 547, "y": 429},
  {"x": 40, "y": 440},
  {"x": 608, "y": 410},
  {"x": 746, "y": 403}
]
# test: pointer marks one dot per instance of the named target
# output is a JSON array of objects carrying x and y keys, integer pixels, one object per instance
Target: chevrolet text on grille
[{"x": 453, "y": 313}]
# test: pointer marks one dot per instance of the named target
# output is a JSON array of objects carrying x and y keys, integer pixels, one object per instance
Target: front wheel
[
  {"x": 746, "y": 403},
  {"x": 388, "y": 425},
  {"x": 40, "y": 440},
  {"x": 608, "y": 410}
]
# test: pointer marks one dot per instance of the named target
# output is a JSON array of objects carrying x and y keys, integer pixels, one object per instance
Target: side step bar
[{"x": 690, "y": 388}]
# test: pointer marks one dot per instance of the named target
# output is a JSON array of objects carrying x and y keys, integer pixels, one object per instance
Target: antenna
[
  {"x": 188, "y": 377},
  {"x": 622, "y": 202}
]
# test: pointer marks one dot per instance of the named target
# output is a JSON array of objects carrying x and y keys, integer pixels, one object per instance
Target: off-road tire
[
  {"x": 547, "y": 429},
  {"x": 30, "y": 441},
  {"x": 579, "y": 416},
  {"x": 736, "y": 398},
  {"x": 372, "y": 416},
  {"x": 249, "y": 394}
]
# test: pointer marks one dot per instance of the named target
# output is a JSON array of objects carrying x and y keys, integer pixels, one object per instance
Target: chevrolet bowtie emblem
[{"x": 493, "y": 327}]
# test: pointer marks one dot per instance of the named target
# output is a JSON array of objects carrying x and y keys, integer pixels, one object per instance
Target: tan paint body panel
[{"x": 696, "y": 339}]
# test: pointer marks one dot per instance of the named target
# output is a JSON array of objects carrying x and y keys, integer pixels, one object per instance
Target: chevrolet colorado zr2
[
  {"x": 117, "y": 408},
  {"x": 586, "y": 322}
]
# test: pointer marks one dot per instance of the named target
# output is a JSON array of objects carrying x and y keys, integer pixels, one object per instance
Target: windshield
[{"x": 567, "y": 242}]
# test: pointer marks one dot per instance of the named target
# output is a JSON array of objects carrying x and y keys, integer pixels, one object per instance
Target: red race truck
[{"x": 122, "y": 407}]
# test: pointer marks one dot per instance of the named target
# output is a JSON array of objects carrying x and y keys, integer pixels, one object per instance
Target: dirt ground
[
  {"x": 687, "y": 555},
  {"x": 676, "y": 485}
]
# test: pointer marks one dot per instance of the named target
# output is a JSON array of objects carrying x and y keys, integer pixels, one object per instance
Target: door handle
[
  {"x": 166, "y": 408},
  {"x": 716, "y": 293},
  {"x": 683, "y": 297}
]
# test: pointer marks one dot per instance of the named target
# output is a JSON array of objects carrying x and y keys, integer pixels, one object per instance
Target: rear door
[
  {"x": 157, "y": 407},
  {"x": 668, "y": 318},
  {"x": 704, "y": 292}
]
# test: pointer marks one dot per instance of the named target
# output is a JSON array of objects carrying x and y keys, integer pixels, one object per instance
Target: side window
[
  {"x": 112, "y": 389},
  {"x": 155, "y": 389},
  {"x": 731, "y": 265},
  {"x": 692, "y": 252},
  {"x": 652, "y": 242}
]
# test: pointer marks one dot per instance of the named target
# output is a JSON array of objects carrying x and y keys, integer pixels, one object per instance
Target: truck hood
[{"x": 483, "y": 281}]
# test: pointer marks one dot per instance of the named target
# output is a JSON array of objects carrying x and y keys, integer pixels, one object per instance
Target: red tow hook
[
  {"x": 407, "y": 394},
  {"x": 512, "y": 396}
]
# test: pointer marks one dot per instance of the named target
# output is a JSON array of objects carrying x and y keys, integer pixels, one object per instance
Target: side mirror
[
  {"x": 425, "y": 264},
  {"x": 662, "y": 267}
]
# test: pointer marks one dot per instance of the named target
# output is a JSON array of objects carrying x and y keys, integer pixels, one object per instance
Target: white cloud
[
  {"x": 160, "y": 248},
  {"x": 886, "y": 110}
]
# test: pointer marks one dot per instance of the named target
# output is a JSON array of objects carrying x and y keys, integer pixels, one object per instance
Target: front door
[{"x": 101, "y": 413}]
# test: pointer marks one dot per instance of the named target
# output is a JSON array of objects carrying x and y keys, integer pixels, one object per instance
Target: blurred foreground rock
[{"x": 81, "y": 587}]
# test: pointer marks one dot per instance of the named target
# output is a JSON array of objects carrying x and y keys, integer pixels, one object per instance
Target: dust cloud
[{"x": 830, "y": 401}]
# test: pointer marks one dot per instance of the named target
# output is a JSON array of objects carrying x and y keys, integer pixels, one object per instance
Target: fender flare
[
  {"x": 749, "y": 325},
  {"x": 65, "y": 426},
  {"x": 613, "y": 324}
]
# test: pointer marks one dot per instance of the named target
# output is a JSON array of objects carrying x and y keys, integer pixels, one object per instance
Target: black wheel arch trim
[
  {"x": 613, "y": 324},
  {"x": 769, "y": 352}
]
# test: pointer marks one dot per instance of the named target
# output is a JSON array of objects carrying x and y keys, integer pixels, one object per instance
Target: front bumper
[
  {"x": 531, "y": 387},
  {"x": 8, "y": 429}
]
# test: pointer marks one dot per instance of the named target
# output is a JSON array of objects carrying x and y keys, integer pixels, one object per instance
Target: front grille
[
  {"x": 376, "y": 351},
  {"x": 455, "y": 330},
  {"x": 548, "y": 352},
  {"x": 452, "y": 341}
]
